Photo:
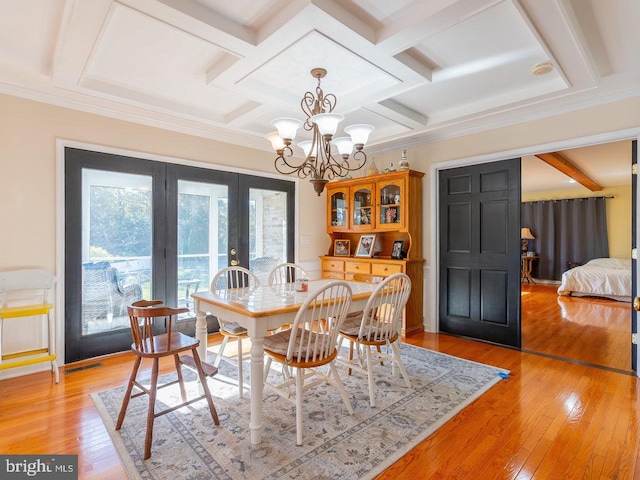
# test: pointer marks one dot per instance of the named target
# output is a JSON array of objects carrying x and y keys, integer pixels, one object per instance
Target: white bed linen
[{"x": 600, "y": 277}]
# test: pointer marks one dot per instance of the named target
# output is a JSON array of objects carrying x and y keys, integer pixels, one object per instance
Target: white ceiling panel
[
  {"x": 418, "y": 70},
  {"x": 29, "y": 48},
  {"x": 147, "y": 56},
  {"x": 288, "y": 74}
]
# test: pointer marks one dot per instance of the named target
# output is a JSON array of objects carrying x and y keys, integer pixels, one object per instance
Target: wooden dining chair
[
  {"x": 303, "y": 351},
  {"x": 148, "y": 345},
  {"x": 376, "y": 326},
  {"x": 226, "y": 279}
]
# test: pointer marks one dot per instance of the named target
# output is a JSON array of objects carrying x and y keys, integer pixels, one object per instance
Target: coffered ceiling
[{"x": 417, "y": 70}]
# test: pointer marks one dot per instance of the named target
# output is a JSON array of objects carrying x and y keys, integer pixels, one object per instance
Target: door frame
[
  {"x": 432, "y": 274},
  {"x": 61, "y": 144}
]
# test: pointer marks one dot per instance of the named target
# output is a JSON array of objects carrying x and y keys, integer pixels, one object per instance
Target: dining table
[{"x": 261, "y": 309}]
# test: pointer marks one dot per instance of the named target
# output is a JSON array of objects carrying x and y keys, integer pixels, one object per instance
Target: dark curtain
[{"x": 572, "y": 230}]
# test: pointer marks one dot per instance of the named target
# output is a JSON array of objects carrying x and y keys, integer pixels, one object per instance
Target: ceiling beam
[{"x": 561, "y": 163}]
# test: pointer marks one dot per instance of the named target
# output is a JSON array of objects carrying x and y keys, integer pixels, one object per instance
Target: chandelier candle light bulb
[{"x": 319, "y": 165}]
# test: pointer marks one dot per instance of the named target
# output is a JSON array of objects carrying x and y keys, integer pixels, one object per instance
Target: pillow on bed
[{"x": 610, "y": 262}]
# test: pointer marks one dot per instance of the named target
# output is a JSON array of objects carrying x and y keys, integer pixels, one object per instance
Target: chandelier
[{"x": 320, "y": 164}]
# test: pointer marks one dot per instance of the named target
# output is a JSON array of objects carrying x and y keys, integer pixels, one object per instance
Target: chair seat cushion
[
  {"x": 279, "y": 342},
  {"x": 351, "y": 327},
  {"x": 234, "y": 329},
  {"x": 351, "y": 324}
]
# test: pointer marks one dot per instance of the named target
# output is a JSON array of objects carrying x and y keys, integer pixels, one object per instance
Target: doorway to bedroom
[{"x": 587, "y": 329}]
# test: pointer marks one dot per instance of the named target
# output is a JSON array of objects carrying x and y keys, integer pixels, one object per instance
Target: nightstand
[{"x": 525, "y": 269}]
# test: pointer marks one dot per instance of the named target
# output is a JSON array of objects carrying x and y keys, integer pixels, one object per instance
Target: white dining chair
[
  {"x": 303, "y": 352},
  {"x": 226, "y": 279},
  {"x": 286, "y": 273},
  {"x": 378, "y": 325}
]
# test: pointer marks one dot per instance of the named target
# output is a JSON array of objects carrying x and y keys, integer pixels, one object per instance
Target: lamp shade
[
  {"x": 526, "y": 234},
  {"x": 306, "y": 148},
  {"x": 287, "y": 127},
  {"x": 276, "y": 141},
  {"x": 359, "y": 133},
  {"x": 344, "y": 144},
  {"x": 327, "y": 122}
]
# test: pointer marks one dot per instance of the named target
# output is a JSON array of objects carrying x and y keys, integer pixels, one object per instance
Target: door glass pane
[
  {"x": 116, "y": 247},
  {"x": 202, "y": 237},
  {"x": 267, "y": 231}
]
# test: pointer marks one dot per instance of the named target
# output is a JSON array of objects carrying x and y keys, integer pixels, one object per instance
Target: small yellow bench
[{"x": 19, "y": 286}]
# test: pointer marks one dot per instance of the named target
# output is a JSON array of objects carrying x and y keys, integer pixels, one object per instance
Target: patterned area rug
[{"x": 186, "y": 444}]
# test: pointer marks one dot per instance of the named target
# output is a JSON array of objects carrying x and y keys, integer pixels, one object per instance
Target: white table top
[{"x": 265, "y": 300}]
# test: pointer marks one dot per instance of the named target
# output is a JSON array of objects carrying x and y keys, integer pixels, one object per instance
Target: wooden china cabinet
[{"x": 388, "y": 205}]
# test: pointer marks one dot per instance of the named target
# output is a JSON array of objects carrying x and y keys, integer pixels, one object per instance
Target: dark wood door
[{"x": 479, "y": 214}]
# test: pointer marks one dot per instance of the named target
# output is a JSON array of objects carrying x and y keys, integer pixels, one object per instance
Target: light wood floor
[
  {"x": 591, "y": 330},
  {"x": 550, "y": 420}
]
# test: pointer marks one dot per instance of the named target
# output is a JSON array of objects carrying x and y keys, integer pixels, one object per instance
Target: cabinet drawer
[
  {"x": 336, "y": 275},
  {"x": 333, "y": 265},
  {"x": 357, "y": 267},
  {"x": 386, "y": 269}
]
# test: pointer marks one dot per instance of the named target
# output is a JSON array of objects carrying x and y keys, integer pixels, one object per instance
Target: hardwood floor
[
  {"x": 549, "y": 420},
  {"x": 591, "y": 330}
]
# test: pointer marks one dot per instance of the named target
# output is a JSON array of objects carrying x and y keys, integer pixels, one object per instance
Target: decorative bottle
[
  {"x": 404, "y": 163},
  {"x": 373, "y": 170}
]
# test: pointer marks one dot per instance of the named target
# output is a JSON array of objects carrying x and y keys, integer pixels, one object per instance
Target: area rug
[{"x": 187, "y": 445}]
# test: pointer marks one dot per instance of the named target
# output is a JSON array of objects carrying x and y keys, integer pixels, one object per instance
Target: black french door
[{"x": 138, "y": 228}]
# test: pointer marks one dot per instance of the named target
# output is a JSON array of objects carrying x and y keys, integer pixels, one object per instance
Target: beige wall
[
  {"x": 516, "y": 140},
  {"x": 29, "y": 130},
  {"x": 28, "y": 134},
  {"x": 618, "y": 215}
]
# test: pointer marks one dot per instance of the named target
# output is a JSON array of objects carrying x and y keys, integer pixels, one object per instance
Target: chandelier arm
[
  {"x": 328, "y": 103},
  {"x": 286, "y": 168},
  {"x": 360, "y": 157},
  {"x": 307, "y": 104},
  {"x": 303, "y": 170}
]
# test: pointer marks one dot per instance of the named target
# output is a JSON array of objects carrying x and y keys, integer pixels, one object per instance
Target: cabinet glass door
[
  {"x": 362, "y": 211},
  {"x": 338, "y": 210},
  {"x": 390, "y": 198}
]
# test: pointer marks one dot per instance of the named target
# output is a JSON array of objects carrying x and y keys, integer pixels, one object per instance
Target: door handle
[
  {"x": 636, "y": 304},
  {"x": 234, "y": 263}
]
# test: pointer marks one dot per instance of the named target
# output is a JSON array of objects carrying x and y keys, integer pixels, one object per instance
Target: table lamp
[{"x": 526, "y": 235}]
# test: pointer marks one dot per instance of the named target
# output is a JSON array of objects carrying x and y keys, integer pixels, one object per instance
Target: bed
[{"x": 600, "y": 277}]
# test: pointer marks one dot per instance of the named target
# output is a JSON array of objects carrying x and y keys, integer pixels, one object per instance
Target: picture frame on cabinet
[
  {"x": 365, "y": 245},
  {"x": 397, "y": 252},
  {"x": 341, "y": 248}
]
